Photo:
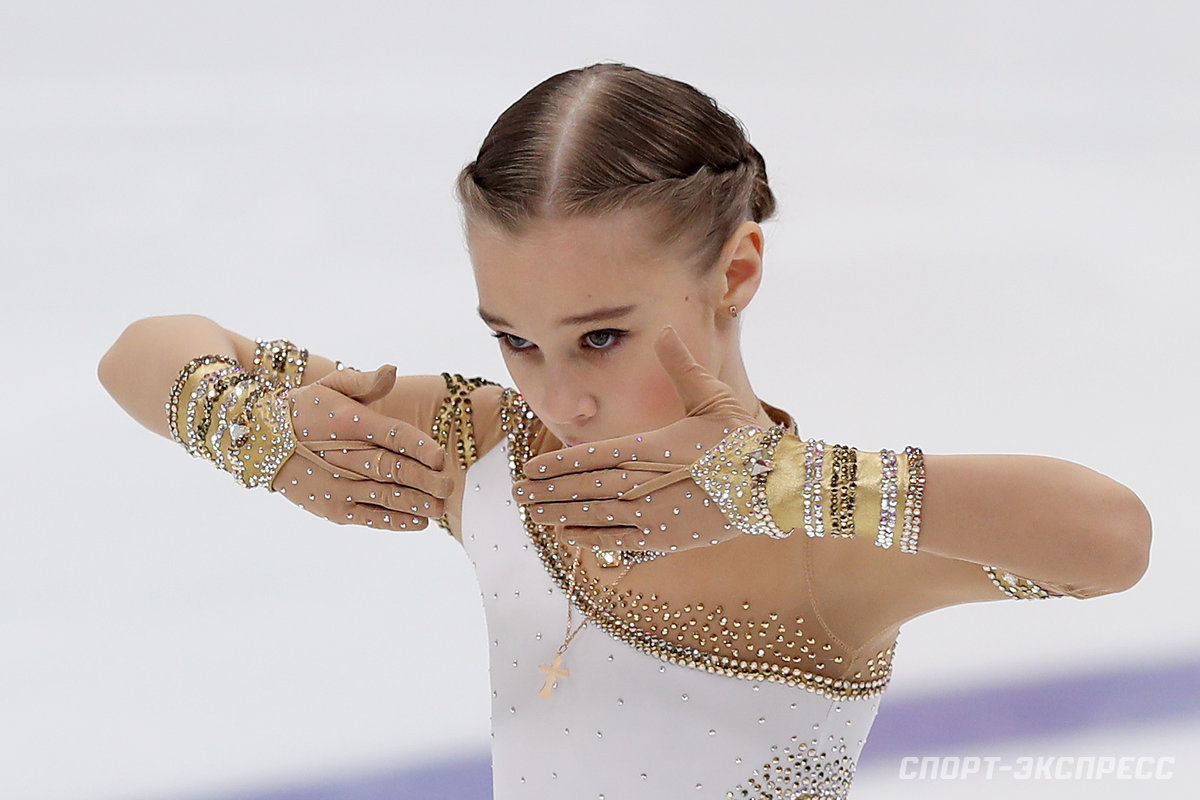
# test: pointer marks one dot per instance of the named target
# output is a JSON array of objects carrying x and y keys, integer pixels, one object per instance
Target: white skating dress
[{"x": 642, "y": 714}]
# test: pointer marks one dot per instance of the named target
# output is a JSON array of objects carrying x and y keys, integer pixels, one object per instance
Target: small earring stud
[{"x": 733, "y": 311}]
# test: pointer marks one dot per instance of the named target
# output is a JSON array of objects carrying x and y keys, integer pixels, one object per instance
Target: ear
[{"x": 741, "y": 263}]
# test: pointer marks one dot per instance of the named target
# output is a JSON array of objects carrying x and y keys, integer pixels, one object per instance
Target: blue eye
[
  {"x": 612, "y": 336},
  {"x": 506, "y": 341}
]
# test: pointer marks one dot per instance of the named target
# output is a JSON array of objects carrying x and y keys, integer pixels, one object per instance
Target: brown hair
[{"x": 611, "y": 137}]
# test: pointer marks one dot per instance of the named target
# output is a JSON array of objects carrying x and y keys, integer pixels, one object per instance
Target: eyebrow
[{"x": 611, "y": 312}]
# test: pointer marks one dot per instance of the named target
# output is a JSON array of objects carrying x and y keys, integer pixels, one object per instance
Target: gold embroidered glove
[
  {"x": 354, "y": 465},
  {"x": 639, "y": 493},
  {"x": 233, "y": 417},
  {"x": 281, "y": 361},
  {"x": 771, "y": 482},
  {"x": 632, "y": 496},
  {"x": 357, "y": 466}
]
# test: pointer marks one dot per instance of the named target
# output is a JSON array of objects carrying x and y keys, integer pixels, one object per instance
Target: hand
[
  {"x": 355, "y": 466},
  {"x": 636, "y": 492}
]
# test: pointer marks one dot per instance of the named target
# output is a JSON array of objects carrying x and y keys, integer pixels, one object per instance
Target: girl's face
[{"x": 576, "y": 305}]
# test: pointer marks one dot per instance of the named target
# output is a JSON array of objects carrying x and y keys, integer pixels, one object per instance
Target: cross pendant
[{"x": 553, "y": 670}]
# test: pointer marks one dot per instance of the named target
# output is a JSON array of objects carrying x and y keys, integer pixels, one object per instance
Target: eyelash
[{"x": 615, "y": 341}]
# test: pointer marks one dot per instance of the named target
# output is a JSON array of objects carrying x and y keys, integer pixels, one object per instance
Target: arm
[
  {"x": 1066, "y": 527},
  {"x": 1053, "y": 521},
  {"x": 991, "y": 527},
  {"x": 140, "y": 368}
]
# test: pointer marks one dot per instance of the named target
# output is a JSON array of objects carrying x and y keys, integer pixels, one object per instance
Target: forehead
[{"x": 557, "y": 266}]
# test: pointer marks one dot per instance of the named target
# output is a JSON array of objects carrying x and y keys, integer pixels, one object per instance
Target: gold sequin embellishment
[
  {"x": 750, "y": 649},
  {"x": 807, "y": 774},
  {"x": 456, "y": 408},
  {"x": 281, "y": 361},
  {"x": 1017, "y": 587}
]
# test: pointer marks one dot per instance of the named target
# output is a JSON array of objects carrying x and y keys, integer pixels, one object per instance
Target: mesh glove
[
  {"x": 637, "y": 492},
  {"x": 355, "y": 466}
]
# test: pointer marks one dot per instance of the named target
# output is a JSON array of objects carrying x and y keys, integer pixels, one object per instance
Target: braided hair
[{"x": 611, "y": 137}]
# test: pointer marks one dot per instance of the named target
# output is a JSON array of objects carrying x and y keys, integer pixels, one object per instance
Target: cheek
[{"x": 655, "y": 399}]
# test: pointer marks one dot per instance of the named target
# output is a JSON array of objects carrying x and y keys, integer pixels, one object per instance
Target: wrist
[
  {"x": 773, "y": 482},
  {"x": 237, "y": 419},
  {"x": 281, "y": 360},
  {"x": 840, "y": 491}
]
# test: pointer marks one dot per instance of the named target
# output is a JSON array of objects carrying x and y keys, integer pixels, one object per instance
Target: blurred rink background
[{"x": 986, "y": 243}]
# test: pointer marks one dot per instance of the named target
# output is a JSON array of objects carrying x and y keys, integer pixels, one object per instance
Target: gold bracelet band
[
  {"x": 235, "y": 423},
  {"x": 281, "y": 360},
  {"x": 238, "y": 456},
  {"x": 212, "y": 386},
  {"x": 889, "y": 480},
  {"x": 253, "y": 408},
  {"x": 810, "y": 493},
  {"x": 913, "y": 495},
  {"x": 843, "y": 472},
  {"x": 184, "y": 385},
  {"x": 734, "y": 473},
  {"x": 773, "y": 483},
  {"x": 271, "y": 441}
]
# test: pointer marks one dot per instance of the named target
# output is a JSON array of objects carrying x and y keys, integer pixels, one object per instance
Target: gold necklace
[{"x": 555, "y": 670}]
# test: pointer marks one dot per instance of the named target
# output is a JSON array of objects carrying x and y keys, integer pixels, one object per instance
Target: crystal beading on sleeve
[
  {"x": 281, "y": 361},
  {"x": 772, "y": 482},
  {"x": 237, "y": 419},
  {"x": 454, "y": 413}
]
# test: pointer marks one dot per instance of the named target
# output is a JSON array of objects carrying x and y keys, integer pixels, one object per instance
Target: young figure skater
[{"x": 686, "y": 595}]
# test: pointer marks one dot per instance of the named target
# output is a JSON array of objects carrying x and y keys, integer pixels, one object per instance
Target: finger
[
  {"x": 385, "y": 496},
  {"x": 692, "y": 382},
  {"x": 619, "y": 538},
  {"x": 625, "y": 452},
  {"x": 583, "y": 457},
  {"x": 701, "y": 392},
  {"x": 360, "y": 514},
  {"x": 386, "y": 467},
  {"x": 603, "y": 513},
  {"x": 623, "y": 518},
  {"x": 351, "y": 420},
  {"x": 600, "y": 485},
  {"x": 403, "y": 499},
  {"x": 375, "y": 517},
  {"x": 365, "y": 387},
  {"x": 661, "y": 481},
  {"x": 572, "y": 535},
  {"x": 648, "y": 449},
  {"x": 405, "y": 439}
]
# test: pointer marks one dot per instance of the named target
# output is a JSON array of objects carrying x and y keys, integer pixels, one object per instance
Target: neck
[{"x": 733, "y": 373}]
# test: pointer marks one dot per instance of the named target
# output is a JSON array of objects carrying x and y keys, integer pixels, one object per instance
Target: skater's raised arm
[{"x": 379, "y": 444}]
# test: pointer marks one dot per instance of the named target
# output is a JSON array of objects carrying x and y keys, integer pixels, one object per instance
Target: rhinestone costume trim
[
  {"x": 518, "y": 421},
  {"x": 456, "y": 407},
  {"x": 280, "y": 360},
  {"x": 806, "y": 774},
  {"x": 1017, "y": 587}
]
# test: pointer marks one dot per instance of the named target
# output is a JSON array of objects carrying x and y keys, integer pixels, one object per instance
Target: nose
[{"x": 568, "y": 401}]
